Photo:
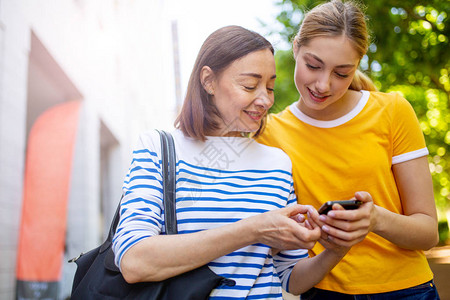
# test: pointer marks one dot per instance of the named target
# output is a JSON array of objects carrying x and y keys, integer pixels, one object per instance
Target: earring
[{"x": 211, "y": 93}]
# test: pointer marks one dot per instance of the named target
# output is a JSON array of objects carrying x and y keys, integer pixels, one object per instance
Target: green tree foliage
[
  {"x": 409, "y": 53},
  {"x": 285, "y": 90}
]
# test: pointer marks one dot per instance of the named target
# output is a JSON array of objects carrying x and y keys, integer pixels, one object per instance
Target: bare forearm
[
  {"x": 308, "y": 272},
  {"x": 417, "y": 231},
  {"x": 417, "y": 228}
]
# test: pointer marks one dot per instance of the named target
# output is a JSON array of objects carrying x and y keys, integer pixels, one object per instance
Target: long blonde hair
[{"x": 336, "y": 18}]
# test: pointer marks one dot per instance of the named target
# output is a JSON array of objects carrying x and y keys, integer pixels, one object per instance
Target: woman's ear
[
  {"x": 294, "y": 51},
  {"x": 207, "y": 79},
  {"x": 295, "y": 47}
]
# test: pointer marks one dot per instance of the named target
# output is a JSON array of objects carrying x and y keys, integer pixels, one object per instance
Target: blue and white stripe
[{"x": 210, "y": 194}]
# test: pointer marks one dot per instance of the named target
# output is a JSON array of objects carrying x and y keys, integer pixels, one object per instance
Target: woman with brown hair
[
  {"x": 236, "y": 206},
  {"x": 347, "y": 141}
]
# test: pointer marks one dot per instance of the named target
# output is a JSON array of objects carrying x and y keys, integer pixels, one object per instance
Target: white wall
[
  {"x": 14, "y": 45},
  {"x": 116, "y": 57}
]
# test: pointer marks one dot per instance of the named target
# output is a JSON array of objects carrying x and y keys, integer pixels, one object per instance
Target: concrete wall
[{"x": 115, "y": 57}]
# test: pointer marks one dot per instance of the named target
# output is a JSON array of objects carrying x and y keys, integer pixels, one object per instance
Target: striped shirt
[{"x": 220, "y": 181}]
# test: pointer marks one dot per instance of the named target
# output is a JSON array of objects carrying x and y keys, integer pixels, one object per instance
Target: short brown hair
[{"x": 220, "y": 49}]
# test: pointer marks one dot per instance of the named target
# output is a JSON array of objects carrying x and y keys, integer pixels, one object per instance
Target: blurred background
[{"x": 127, "y": 64}]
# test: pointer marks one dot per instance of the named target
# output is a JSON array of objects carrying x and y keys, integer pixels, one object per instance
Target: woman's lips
[
  {"x": 317, "y": 97},
  {"x": 254, "y": 115}
]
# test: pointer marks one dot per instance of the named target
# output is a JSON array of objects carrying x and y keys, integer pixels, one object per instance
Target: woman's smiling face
[
  {"x": 324, "y": 70},
  {"x": 243, "y": 92}
]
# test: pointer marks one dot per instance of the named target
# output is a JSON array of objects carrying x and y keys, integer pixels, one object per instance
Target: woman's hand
[
  {"x": 285, "y": 228},
  {"x": 325, "y": 240},
  {"x": 342, "y": 228},
  {"x": 309, "y": 272}
]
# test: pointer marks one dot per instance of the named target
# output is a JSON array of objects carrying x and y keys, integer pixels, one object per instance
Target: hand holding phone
[{"x": 347, "y": 204}]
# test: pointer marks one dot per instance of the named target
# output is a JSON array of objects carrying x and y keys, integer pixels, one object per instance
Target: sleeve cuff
[{"x": 409, "y": 156}]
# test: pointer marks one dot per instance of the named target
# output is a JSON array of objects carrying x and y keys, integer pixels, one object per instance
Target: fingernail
[
  {"x": 332, "y": 214},
  {"x": 325, "y": 228},
  {"x": 322, "y": 218}
]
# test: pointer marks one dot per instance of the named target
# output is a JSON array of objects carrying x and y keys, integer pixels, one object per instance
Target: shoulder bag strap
[{"x": 169, "y": 171}]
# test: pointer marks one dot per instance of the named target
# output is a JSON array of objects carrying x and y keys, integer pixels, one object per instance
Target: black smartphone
[{"x": 347, "y": 204}]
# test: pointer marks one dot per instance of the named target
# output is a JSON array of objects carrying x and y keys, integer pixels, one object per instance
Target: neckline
[
  {"x": 212, "y": 137},
  {"x": 331, "y": 123}
]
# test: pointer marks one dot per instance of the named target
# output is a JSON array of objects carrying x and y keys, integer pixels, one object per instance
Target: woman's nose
[
  {"x": 264, "y": 100},
  {"x": 323, "y": 83}
]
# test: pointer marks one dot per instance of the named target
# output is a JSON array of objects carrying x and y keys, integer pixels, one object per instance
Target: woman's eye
[
  {"x": 312, "y": 67},
  {"x": 342, "y": 75},
  {"x": 250, "y": 88},
  {"x": 270, "y": 90}
]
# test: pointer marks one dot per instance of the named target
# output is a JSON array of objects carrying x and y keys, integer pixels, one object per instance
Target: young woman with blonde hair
[{"x": 346, "y": 140}]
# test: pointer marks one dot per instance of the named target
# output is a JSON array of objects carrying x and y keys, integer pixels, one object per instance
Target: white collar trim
[{"x": 332, "y": 123}]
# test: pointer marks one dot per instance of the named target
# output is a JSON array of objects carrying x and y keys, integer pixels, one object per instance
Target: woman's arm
[
  {"x": 310, "y": 271},
  {"x": 164, "y": 256},
  {"x": 416, "y": 228}
]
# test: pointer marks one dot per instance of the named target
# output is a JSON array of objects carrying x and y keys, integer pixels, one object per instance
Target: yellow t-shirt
[{"x": 334, "y": 159}]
